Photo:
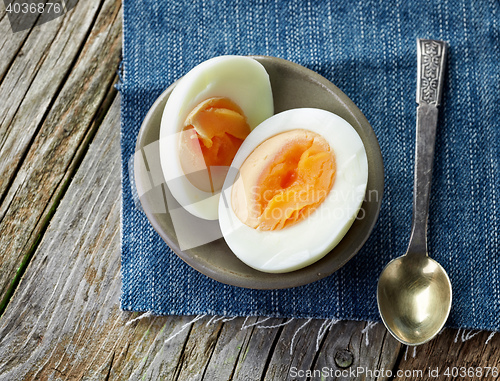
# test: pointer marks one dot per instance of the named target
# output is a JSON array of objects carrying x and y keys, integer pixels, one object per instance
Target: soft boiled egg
[
  {"x": 208, "y": 115},
  {"x": 300, "y": 181}
]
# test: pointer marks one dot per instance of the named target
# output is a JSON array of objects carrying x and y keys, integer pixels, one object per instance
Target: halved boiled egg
[
  {"x": 300, "y": 181},
  {"x": 208, "y": 115}
]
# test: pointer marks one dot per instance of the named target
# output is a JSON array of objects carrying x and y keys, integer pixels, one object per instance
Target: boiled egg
[
  {"x": 299, "y": 183},
  {"x": 208, "y": 115}
]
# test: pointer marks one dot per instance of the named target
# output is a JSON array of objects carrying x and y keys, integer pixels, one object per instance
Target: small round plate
[{"x": 293, "y": 86}]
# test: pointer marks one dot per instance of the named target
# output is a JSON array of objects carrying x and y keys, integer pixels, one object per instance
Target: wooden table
[{"x": 60, "y": 245}]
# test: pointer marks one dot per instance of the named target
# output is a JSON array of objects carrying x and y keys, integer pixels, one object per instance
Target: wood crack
[
  {"x": 321, "y": 345},
  {"x": 271, "y": 351},
  {"x": 58, "y": 371},
  {"x": 178, "y": 368},
  {"x": 39, "y": 65},
  {"x": 2, "y": 216},
  {"x": 381, "y": 351},
  {"x": 398, "y": 361},
  {"x": 243, "y": 350},
  {"x": 110, "y": 367},
  {"x": 212, "y": 345},
  {"x": 18, "y": 106},
  {"x": 11, "y": 62}
]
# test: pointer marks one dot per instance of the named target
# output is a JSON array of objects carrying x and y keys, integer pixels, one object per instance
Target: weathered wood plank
[
  {"x": 351, "y": 345},
  {"x": 255, "y": 355},
  {"x": 230, "y": 349},
  {"x": 458, "y": 351},
  {"x": 41, "y": 179},
  {"x": 55, "y": 313},
  {"x": 10, "y": 43},
  {"x": 197, "y": 352},
  {"x": 164, "y": 357},
  {"x": 34, "y": 78},
  {"x": 152, "y": 350},
  {"x": 296, "y": 349}
]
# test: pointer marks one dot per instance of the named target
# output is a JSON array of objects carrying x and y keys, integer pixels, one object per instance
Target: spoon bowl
[{"x": 414, "y": 298}]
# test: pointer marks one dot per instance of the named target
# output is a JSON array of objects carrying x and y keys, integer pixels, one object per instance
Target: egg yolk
[
  {"x": 284, "y": 180},
  {"x": 212, "y": 134}
]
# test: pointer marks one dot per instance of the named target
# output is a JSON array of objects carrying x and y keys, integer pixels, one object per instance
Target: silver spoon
[{"x": 414, "y": 291}]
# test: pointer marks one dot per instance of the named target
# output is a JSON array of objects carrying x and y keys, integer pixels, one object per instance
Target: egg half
[
  {"x": 299, "y": 184},
  {"x": 208, "y": 115}
]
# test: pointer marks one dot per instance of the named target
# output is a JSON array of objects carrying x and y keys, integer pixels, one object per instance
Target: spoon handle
[{"x": 431, "y": 60}]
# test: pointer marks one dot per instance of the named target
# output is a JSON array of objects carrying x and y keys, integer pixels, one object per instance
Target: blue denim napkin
[{"x": 368, "y": 49}]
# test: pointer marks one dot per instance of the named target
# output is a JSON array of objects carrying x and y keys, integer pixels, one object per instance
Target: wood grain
[
  {"x": 37, "y": 68},
  {"x": 60, "y": 205},
  {"x": 458, "y": 351},
  {"x": 231, "y": 350},
  {"x": 353, "y": 345},
  {"x": 56, "y": 319},
  {"x": 297, "y": 348},
  {"x": 51, "y": 131},
  {"x": 11, "y": 44}
]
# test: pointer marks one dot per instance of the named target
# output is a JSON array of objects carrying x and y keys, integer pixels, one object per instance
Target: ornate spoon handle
[{"x": 431, "y": 60}]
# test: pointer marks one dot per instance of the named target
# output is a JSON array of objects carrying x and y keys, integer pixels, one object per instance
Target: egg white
[
  {"x": 309, "y": 240},
  {"x": 241, "y": 79}
]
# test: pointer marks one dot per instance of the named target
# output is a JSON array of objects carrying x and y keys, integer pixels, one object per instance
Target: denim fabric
[{"x": 368, "y": 49}]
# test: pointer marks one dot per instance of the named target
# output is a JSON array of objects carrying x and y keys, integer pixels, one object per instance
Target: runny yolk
[
  {"x": 212, "y": 134},
  {"x": 284, "y": 180}
]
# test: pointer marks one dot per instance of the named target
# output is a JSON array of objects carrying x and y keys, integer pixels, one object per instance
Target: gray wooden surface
[{"x": 60, "y": 237}]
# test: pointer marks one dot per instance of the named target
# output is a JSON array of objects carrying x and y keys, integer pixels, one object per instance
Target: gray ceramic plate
[{"x": 293, "y": 86}]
